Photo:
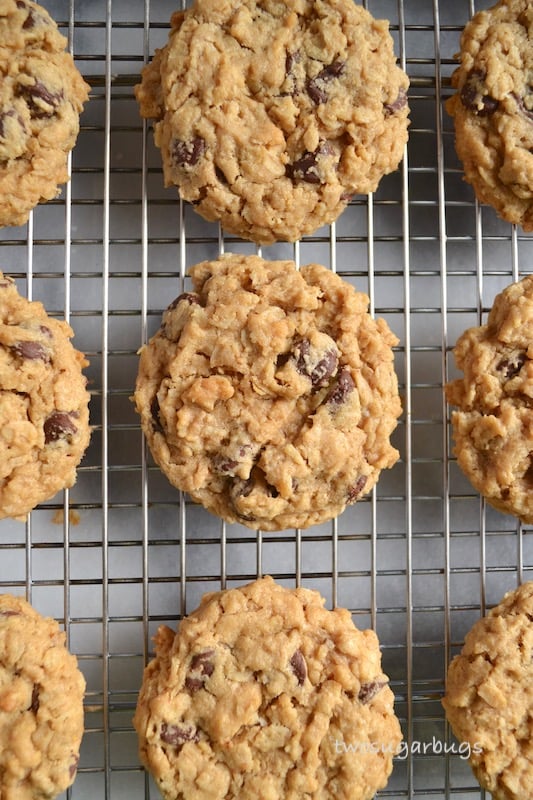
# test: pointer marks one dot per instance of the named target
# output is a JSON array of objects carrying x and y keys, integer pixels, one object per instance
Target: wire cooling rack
[{"x": 122, "y": 551}]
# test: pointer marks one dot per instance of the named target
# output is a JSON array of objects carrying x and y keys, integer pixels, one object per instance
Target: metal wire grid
[{"x": 122, "y": 552}]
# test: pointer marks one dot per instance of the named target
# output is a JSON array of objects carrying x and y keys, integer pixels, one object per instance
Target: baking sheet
[{"x": 122, "y": 551}]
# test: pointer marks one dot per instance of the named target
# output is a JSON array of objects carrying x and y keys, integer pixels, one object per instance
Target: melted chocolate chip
[
  {"x": 368, "y": 691},
  {"x": 317, "y": 86},
  {"x": 59, "y": 425},
  {"x": 397, "y": 105},
  {"x": 73, "y": 768},
  {"x": 186, "y": 297},
  {"x": 306, "y": 168},
  {"x": 224, "y": 465},
  {"x": 319, "y": 371},
  {"x": 9, "y": 613},
  {"x": 31, "y": 351},
  {"x": 3, "y": 116},
  {"x": 510, "y": 367},
  {"x": 177, "y": 735},
  {"x": 41, "y": 101},
  {"x": 299, "y": 667},
  {"x": 34, "y": 706},
  {"x": 187, "y": 154},
  {"x": 154, "y": 411},
  {"x": 525, "y": 108},
  {"x": 342, "y": 388},
  {"x": 200, "y": 669},
  {"x": 473, "y": 96},
  {"x": 356, "y": 489}
]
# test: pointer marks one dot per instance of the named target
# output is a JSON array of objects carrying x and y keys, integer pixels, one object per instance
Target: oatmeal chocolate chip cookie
[
  {"x": 493, "y": 426},
  {"x": 493, "y": 108},
  {"x": 261, "y": 693},
  {"x": 269, "y": 394},
  {"x": 44, "y": 415},
  {"x": 489, "y": 696},
  {"x": 41, "y": 97},
  {"x": 41, "y": 705},
  {"x": 270, "y": 115}
]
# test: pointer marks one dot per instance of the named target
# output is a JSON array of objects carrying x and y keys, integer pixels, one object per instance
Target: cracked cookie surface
[
  {"x": 493, "y": 108},
  {"x": 41, "y": 97},
  {"x": 260, "y": 693},
  {"x": 489, "y": 696},
  {"x": 41, "y": 705},
  {"x": 269, "y": 115},
  {"x": 44, "y": 413},
  {"x": 493, "y": 425},
  {"x": 269, "y": 394}
]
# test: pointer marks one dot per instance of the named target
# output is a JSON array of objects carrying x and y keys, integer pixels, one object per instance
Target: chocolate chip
[
  {"x": 317, "y": 86},
  {"x": 299, "y": 667},
  {"x": 185, "y": 297},
  {"x": 291, "y": 59},
  {"x": 31, "y": 351},
  {"x": 397, "y": 105},
  {"x": 59, "y": 425},
  {"x": 368, "y": 691},
  {"x": 342, "y": 388},
  {"x": 307, "y": 167},
  {"x": 200, "y": 669},
  {"x": 177, "y": 735},
  {"x": 3, "y": 116},
  {"x": 224, "y": 465},
  {"x": 41, "y": 101},
  {"x": 510, "y": 367},
  {"x": 73, "y": 768},
  {"x": 524, "y": 107},
  {"x": 319, "y": 371},
  {"x": 154, "y": 411},
  {"x": 356, "y": 489},
  {"x": 9, "y": 613},
  {"x": 34, "y": 707},
  {"x": 473, "y": 95},
  {"x": 187, "y": 154}
]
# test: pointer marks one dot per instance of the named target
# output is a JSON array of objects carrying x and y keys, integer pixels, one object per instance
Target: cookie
[
  {"x": 489, "y": 696},
  {"x": 493, "y": 108},
  {"x": 270, "y": 115},
  {"x": 263, "y": 692},
  {"x": 41, "y": 705},
  {"x": 41, "y": 97},
  {"x": 269, "y": 394},
  {"x": 44, "y": 412},
  {"x": 493, "y": 425}
]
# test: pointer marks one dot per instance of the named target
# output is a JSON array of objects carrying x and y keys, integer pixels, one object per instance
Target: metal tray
[{"x": 122, "y": 551}]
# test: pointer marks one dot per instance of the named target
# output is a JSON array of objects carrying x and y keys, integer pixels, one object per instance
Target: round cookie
[
  {"x": 493, "y": 426},
  {"x": 41, "y": 97},
  {"x": 44, "y": 412},
  {"x": 270, "y": 115},
  {"x": 269, "y": 394},
  {"x": 263, "y": 692},
  {"x": 489, "y": 696},
  {"x": 41, "y": 705},
  {"x": 493, "y": 108}
]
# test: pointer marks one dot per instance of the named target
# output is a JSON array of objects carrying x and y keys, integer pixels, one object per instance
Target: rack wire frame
[{"x": 122, "y": 552}]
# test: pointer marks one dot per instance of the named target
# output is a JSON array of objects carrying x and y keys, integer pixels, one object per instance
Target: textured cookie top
[
  {"x": 41, "y": 97},
  {"x": 259, "y": 694},
  {"x": 271, "y": 114},
  {"x": 41, "y": 705},
  {"x": 44, "y": 416},
  {"x": 489, "y": 696},
  {"x": 269, "y": 394},
  {"x": 493, "y": 426},
  {"x": 493, "y": 108}
]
